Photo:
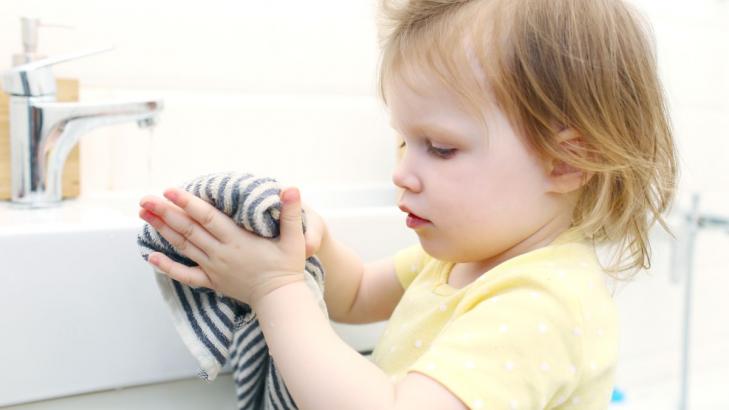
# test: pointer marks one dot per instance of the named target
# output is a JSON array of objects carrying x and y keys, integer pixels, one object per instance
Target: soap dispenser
[
  {"x": 66, "y": 89},
  {"x": 29, "y": 34}
]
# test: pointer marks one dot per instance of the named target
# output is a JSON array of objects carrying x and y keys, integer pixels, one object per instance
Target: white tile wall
[
  {"x": 693, "y": 58},
  {"x": 295, "y": 138},
  {"x": 285, "y": 89},
  {"x": 289, "y": 46},
  {"x": 294, "y": 83}
]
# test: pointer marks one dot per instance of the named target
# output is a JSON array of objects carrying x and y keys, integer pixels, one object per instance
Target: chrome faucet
[{"x": 43, "y": 131}]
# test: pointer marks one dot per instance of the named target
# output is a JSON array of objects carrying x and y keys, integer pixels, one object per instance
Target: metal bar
[{"x": 693, "y": 224}]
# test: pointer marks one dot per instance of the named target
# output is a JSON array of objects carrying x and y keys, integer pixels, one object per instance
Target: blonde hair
[{"x": 589, "y": 65}]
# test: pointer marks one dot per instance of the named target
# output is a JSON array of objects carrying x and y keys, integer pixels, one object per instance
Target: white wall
[
  {"x": 693, "y": 58},
  {"x": 288, "y": 88},
  {"x": 285, "y": 89}
]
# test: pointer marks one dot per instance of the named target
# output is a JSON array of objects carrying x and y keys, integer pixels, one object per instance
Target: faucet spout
[{"x": 41, "y": 142}]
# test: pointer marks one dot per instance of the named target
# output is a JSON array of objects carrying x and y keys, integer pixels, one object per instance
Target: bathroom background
[{"x": 287, "y": 89}]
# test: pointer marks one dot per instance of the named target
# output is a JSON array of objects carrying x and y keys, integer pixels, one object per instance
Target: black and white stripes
[{"x": 219, "y": 330}]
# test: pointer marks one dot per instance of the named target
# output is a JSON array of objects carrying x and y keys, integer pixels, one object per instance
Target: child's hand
[
  {"x": 316, "y": 231},
  {"x": 232, "y": 260}
]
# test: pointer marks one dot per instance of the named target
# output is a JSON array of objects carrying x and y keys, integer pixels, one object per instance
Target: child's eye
[{"x": 440, "y": 152}]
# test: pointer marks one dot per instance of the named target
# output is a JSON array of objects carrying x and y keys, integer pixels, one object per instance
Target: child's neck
[{"x": 466, "y": 272}]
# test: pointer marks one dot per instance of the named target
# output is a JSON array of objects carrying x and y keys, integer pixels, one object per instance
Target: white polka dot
[
  {"x": 509, "y": 365},
  {"x": 544, "y": 366},
  {"x": 591, "y": 285},
  {"x": 542, "y": 327},
  {"x": 443, "y": 307},
  {"x": 573, "y": 369},
  {"x": 495, "y": 298},
  {"x": 561, "y": 400},
  {"x": 504, "y": 328},
  {"x": 513, "y": 405},
  {"x": 576, "y": 400},
  {"x": 418, "y": 343},
  {"x": 431, "y": 366},
  {"x": 600, "y": 332},
  {"x": 392, "y": 349},
  {"x": 593, "y": 365},
  {"x": 414, "y": 268},
  {"x": 561, "y": 274},
  {"x": 478, "y": 404},
  {"x": 577, "y": 331},
  {"x": 470, "y": 364},
  {"x": 466, "y": 337},
  {"x": 534, "y": 294}
]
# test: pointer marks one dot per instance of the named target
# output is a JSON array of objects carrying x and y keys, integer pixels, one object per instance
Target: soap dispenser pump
[{"x": 29, "y": 33}]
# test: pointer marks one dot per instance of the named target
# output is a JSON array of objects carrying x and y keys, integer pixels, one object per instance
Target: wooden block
[{"x": 67, "y": 90}]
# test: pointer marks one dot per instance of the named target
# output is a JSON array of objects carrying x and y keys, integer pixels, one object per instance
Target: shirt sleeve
[
  {"x": 408, "y": 263},
  {"x": 514, "y": 349}
]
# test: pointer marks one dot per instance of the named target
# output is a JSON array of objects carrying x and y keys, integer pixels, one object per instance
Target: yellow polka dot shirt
[{"x": 538, "y": 331}]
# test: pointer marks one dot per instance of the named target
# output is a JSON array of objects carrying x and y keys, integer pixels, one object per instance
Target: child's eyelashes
[{"x": 439, "y": 152}]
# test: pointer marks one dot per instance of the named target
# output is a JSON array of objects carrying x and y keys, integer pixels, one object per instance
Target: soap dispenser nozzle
[{"x": 29, "y": 33}]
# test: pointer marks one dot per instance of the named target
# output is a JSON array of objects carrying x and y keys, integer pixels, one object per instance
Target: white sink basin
[{"x": 81, "y": 309}]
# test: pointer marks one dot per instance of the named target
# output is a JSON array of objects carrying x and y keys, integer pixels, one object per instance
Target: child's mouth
[{"x": 414, "y": 221}]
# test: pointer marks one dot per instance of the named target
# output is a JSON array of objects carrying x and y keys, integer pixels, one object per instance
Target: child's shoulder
[{"x": 409, "y": 262}]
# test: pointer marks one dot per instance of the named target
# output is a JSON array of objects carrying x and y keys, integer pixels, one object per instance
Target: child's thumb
[{"x": 292, "y": 232}]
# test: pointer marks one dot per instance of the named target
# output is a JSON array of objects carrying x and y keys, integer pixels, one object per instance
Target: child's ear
[{"x": 562, "y": 177}]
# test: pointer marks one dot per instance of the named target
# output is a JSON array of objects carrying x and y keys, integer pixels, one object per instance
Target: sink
[{"x": 82, "y": 311}]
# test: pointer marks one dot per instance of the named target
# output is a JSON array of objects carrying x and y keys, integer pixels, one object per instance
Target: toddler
[{"x": 529, "y": 133}]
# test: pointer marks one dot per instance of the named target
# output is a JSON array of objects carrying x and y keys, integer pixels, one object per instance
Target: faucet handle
[{"x": 36, "y": 79}]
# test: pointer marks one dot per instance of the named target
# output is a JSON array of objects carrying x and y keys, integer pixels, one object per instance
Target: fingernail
[
  {"x": 171, "y": 195},
  {"x": 291, "y": 195},
  {"x": 146, "y": 215},
  {"x": 148, "y": 206}
]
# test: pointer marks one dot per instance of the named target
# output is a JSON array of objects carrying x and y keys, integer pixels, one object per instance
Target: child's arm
[
  {"x": 356, "y": 292},
  {"x": 319, "y": 369},
  {"x": 322, "y": 372},
  {"x": 343, "y": 271}
]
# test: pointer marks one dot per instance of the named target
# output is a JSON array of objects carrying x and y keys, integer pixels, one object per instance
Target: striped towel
[{"x": 219, "y": 330}]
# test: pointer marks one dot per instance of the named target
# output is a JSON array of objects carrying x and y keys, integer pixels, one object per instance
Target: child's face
[{"x": 486, "y": 196}]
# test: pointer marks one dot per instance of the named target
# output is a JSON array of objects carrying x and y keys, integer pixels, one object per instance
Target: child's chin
[{"x": 435, "y": 248}]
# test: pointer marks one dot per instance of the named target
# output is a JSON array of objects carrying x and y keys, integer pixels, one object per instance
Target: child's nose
[{"x": 403, "y": 177}]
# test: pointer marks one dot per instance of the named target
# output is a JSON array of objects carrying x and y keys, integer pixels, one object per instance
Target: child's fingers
[
  {"x": 314, "y": 230},
  {"x": 177, "y": 240},
  {"x": 310, "y": 249},
  {"x": 191, "y": 276},
  {"x": 313, "y": 241},
  {"x": 181, "y": 222}
]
